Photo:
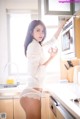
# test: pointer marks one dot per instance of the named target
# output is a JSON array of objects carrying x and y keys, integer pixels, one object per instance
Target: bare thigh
[{"x": 32, "y": 107}]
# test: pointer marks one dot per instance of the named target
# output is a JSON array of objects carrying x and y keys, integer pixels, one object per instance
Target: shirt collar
[{"x": 36, "y": 42}]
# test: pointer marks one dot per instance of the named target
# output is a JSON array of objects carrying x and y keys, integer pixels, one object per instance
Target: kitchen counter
[
  {"x": 11, "y": 92},
  {"x": 10, "y": 106},
  {"x": 64, "y": 93}
]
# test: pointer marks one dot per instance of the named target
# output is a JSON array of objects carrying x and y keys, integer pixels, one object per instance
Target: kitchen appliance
[
  {"x": 71, "y": 38},
  {"x": 59, "y": 110},
  {"x": 68, "y": 44}
]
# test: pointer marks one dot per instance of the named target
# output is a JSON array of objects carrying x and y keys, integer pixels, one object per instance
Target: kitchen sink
[
  {"x": 8, "y": 85},
  {"x": 9, "y": 90}
]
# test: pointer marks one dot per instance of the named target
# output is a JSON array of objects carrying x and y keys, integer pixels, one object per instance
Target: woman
[{"x": 30, "y": 98}]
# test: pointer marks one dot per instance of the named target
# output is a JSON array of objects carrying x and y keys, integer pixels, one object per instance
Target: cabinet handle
[{"x": 54, "y": 100}]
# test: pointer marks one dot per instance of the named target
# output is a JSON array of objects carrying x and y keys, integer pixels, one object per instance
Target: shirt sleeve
[
  {"x": 52, "y": 40},
  {"x": 34, "y": 57}
]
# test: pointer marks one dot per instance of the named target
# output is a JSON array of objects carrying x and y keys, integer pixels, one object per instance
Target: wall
[
  {"x": 3, "y": 35},
  {"x": 10, "y": 5}
]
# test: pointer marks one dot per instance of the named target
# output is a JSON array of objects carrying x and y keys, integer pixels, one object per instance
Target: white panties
[{"x": 31, "y": 93}]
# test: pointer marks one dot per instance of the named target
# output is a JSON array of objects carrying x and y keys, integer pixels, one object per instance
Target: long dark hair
[{"x": 29, "y": 36}]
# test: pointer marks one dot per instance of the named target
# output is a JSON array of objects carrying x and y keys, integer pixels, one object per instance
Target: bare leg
[{"x": 32, "y": 107}]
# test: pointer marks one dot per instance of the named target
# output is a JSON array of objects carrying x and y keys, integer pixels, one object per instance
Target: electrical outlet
[{"x": 3, "y": 115}]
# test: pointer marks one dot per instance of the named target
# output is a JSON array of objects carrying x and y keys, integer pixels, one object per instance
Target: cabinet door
[
  {"x": 46, "y": 112},
  {"x": 77, "y": 6},
  {"x": 77, "y": 36},
  {"x": 49, "y": 7},
  {"x": 18, "y": 110},
  {"x": 45, "y": 107},
  {"x": 51, "y": 115},
  {"x": 6, "y": 107}
]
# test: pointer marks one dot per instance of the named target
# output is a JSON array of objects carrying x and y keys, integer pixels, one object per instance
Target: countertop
[
  {"x": 64, "y": 93},
  {"x": 11, "y": 92}
]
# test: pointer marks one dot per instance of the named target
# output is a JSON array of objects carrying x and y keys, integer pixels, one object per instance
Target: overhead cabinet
[
  {"x": 61, "y": 7},
  {"x": 56, "y": 7},
  {"x": 77, "y": 6}
]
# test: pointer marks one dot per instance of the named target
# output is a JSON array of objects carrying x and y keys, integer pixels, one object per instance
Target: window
[{"x": 18, "y": 24}]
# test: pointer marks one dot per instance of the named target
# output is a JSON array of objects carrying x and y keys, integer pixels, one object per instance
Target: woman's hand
[
  {"x": 63, "y": 23},
  {"x": 53, "y": 51},
  {"x": 60, "y": 27}
]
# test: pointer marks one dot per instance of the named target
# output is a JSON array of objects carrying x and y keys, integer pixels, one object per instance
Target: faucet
[
  {"x": 11, "y": 63},
  {"x": 10, "y": 79}
]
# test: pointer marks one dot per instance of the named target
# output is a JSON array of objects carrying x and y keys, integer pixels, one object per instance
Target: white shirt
[
  {"x": 35, "y": 59},
  {"x": 35, "y": 69}
]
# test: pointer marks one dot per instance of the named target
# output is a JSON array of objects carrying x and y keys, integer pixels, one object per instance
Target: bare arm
[
  {"x": 52, "y": 52},
  {"x": 56, "y": 35}
]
